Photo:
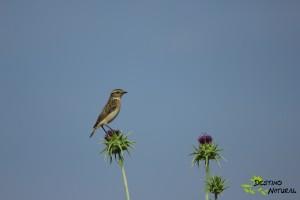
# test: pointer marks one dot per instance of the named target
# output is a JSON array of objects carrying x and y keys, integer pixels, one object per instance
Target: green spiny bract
[{"x": 116, "y": 143}]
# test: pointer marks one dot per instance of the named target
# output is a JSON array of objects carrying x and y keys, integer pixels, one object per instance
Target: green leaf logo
[
  {"x": 246, "y": 185},
  {"x": 248, "y": 188}
]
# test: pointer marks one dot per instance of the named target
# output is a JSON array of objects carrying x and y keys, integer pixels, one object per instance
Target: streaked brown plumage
[{"x": 110, "y": 110}]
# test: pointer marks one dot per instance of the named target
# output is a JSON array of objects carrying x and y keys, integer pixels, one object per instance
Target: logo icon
[{"x": 249, "y": 188}]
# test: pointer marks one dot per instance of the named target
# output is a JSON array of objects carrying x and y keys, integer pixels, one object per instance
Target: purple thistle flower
[{"x": 205, "y": 139}]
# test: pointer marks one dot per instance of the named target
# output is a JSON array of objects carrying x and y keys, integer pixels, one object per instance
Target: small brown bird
[{"x": 110, "y": 110}]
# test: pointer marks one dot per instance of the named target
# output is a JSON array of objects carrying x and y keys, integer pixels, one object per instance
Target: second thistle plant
[{"x": 206, "y": 151}]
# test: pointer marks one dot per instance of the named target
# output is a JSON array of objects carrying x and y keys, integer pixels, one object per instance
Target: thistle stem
[
  {"x": 125, "y": 180},
  {"x": 207, "y": 179}
]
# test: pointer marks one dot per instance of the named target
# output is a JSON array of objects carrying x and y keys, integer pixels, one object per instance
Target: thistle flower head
[
  {"x": 205, "y": 139},
  {"x": 110, "y": 133},
  {"x": 216, "y": 185},
  {"x": 116, "y": 143},
  {"x": 206, "y": 150}
]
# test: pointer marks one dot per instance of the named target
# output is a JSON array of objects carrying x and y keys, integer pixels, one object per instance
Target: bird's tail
[{"x": 92, "y": 133}]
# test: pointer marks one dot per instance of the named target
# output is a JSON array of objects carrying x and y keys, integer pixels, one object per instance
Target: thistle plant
[
  {"x": 206, "y": 151},
  {"x": 216, "y": 185},
  {"x": 116, "y": 143}
]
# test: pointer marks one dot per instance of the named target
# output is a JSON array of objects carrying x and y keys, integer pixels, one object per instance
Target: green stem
[
  {"x": 207, "y": 179},
  {"x": 216, "y": 196},
  {"x": 125, "y": 180}
]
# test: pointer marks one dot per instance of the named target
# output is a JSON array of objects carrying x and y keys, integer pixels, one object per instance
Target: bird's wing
[{"x": 110, "y": 106}]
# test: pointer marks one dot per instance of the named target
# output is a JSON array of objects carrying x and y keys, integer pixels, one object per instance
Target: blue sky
[{"x": 227, "y": 68}]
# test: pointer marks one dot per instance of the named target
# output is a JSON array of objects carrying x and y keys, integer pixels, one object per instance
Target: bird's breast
[{"x": 111, "y": 116}]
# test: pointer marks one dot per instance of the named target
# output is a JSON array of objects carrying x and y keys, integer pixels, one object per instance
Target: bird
[{"x": 110, "y": 110}]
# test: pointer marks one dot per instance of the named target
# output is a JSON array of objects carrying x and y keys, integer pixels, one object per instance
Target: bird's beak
[{"x": 124, "y": 92}]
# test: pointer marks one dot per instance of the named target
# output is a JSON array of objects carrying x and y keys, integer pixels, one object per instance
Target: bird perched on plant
[{"x": 110, "y": 110}]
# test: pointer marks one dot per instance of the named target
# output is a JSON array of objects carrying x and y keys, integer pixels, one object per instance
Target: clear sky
[{"x": 229, "y": 68}]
